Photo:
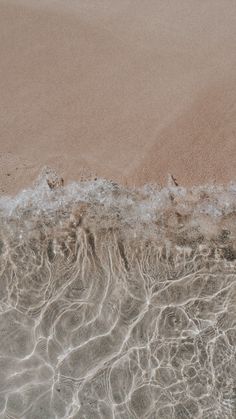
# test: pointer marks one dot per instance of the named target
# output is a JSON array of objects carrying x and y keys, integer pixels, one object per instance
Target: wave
[{"x": 117, "y": 302}]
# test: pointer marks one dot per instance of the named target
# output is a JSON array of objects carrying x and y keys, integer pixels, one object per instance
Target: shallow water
[{"x": 118, "y": 303}]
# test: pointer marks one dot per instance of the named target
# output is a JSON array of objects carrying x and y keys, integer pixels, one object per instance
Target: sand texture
[{"x": 129, "y": 90}]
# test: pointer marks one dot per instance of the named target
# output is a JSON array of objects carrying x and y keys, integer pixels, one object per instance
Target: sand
[
  {"x": 130, "y": 90},
  {"x": 117, "y": 302}
]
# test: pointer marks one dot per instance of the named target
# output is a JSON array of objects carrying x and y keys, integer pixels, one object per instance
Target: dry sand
[{"x": 128, "y": 89}]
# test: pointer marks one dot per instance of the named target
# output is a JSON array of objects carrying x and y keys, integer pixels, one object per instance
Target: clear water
[{"x": 118, "y": 303}]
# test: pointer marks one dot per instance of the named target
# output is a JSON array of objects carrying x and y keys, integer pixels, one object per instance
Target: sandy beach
[
  {"x": 116, "y": 301},
  {"x": 127, "y": 90}
]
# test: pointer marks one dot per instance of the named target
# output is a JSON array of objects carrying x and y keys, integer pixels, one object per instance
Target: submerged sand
[
  {"x": 130, "y": 90},
  {"x": 118, "y": 303}
]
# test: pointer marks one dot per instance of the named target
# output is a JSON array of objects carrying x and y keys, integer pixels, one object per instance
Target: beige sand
[{"x": 129, "y": 89}]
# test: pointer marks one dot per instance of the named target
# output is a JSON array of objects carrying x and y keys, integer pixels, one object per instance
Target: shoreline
[{"x": 129, "y": 95}]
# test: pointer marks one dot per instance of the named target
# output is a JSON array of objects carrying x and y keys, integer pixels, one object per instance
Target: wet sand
[{"x": 129, "y": 90}]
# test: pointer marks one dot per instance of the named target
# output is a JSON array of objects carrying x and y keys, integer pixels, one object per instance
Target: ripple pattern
[{"x": 102, "y": 318}]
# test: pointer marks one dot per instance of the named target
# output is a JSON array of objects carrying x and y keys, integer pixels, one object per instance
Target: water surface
[{"x": 118, "y": 303}]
